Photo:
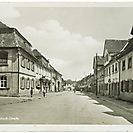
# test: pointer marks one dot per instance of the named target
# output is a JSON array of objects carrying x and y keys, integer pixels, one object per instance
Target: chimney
[{"x": 131, "y": 31}]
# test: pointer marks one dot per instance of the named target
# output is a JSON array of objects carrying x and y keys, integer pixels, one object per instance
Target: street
[{"x": 60, "y": 108}]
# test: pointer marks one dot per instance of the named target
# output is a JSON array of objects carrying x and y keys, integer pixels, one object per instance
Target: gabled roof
[{"x": 114, "y": 46}]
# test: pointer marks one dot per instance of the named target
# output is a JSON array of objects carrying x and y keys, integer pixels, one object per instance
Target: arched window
[
  {"x": 32, "y": 83},
  {"x": 28, "y": 83},
  {"x": 3, "y": 57},
  {"x": 32, "y": 66},
  {"x": 23, "y": 61},
  {"x": 3, "y": 82},
  {"x": 22, "y": 80}
]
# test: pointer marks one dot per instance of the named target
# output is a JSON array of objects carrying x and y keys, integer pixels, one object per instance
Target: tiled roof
[
  {"x": 3, "y": 26},
  {"x": 114, "y": 46},
  {"x": 10, "y": 37}
]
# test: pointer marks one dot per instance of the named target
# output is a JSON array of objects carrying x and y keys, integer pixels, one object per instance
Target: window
[
  {"x": 127, "y": 86},
  {"x": 112, "y": 68},
  {"x": 32, "y": 66},
  {"x": 3, "y": 82},
  {"x": 38, "y": 85},
  {"x": 32, "y": 83},
  {"x": 37, "y": 69},
  {"x": 122, "y": 86},
  {"x": 3, "y": 58},
  {"x": 23, "y": 61},
  {"x": 28, "y": 83},
  {"x": 22, "y": 83},
  {"x": 123, "y": 65},
  {"x": 109, "y": 70},
  {"x": 115, "y": 67},
  {"x": 28, "y": 64},
  {"x": 130, "y": 63}
]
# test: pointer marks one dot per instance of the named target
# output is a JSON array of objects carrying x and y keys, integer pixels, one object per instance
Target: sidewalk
[
  {"x": 128, "y": 106},
  {"x": 12, "y": 100}
]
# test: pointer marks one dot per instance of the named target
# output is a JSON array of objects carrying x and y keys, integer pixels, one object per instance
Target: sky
[{"x": 69, "y": 36}]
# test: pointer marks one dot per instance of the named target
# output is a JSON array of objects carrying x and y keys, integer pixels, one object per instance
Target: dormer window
[{"x": 3, "y": 58}]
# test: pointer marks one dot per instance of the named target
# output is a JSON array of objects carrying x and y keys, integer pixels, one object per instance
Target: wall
[{"x": 11, "y": 72}]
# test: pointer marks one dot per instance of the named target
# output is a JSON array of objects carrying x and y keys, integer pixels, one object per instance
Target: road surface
[{"x": 60, "y": 108}]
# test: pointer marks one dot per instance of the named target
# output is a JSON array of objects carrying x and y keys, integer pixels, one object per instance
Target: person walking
[
  {"x": 31, "y": 92},
  {"x": 44, "y": 92}
]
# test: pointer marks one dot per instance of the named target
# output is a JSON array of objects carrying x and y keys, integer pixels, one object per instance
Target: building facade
[{"x": 22, "y": 69}]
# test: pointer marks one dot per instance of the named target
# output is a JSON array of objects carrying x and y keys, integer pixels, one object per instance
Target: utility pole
[
  {"x": 75, "y": 85},
  {"x": 96, "y": 74}
]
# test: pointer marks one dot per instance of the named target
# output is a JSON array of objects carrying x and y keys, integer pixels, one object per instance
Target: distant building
[{"x": 98, "y": 64}]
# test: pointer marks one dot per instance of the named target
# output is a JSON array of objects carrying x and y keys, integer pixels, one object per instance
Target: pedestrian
[
  {"x": 44, "y": 92},
  {"x": 31, "y": 92}
]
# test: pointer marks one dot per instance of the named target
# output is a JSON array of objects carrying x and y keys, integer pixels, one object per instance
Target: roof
[
  {"x": 52, "y": 68},
  {"x": 114, "y": 46},
  {"x": 38, "y": 54},
  {"x": 100, "y": 61},
  {"x": 128, "y": 48},
  {"x": 10, "y": 37},
  {"x": 3, "y": 26}
]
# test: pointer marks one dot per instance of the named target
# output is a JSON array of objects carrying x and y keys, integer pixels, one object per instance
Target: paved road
[{"x": 62, "y": 108}]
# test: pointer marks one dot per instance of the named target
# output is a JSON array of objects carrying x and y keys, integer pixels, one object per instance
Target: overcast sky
[{"x": 69, "y": 36}]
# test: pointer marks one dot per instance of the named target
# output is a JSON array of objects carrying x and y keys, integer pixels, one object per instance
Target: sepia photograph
[{"x": 66, "y": 66}]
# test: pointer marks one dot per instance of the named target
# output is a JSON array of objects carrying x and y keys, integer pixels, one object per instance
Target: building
[
  {"x": 111, "y": 78},
  {"x": 22, "y": 69},
  {"x": 98, "y": 64},
  {"x": 17, "y": 63},
  {"x": 125, "y": 59},
  {"x": 43, "y": 75}
]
